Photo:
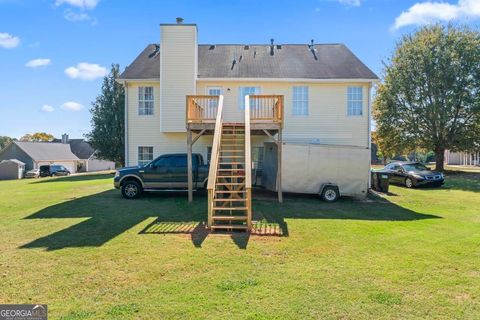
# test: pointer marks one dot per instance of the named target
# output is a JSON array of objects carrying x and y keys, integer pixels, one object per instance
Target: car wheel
[
  {"x": 330, "y": 194},
  {"x": 409, "y": 183},
  {"x": 131, "y": 189}
]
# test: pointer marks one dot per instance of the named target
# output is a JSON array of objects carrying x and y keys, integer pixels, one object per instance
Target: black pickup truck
[{"x": 169, "y": 171}]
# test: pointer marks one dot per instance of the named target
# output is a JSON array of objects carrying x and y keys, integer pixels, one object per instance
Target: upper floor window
[
  {"x": 354, "y": 101},
  {"x": 244, "y": 91},
  {"x": 145, "y": 101},
  {"x": 145, "y": 155},
  {"x": 300, "y": 101},
  {"x": 214, "y": 91}
]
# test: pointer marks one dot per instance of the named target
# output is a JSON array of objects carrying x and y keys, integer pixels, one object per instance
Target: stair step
[
  {"x": 231, "y": 163},
  {"x": 230, "y": 157},
  {"x": 230, "y": 227},
  {"x": 229, "y": 200},
  {"x": 230, "y": 177},
  {"x": 233, "y": 134},
  {"x": 230, "y": 191},
  {"x": 230, "y": 183},
  {"x": 230, "y": 218},
  {"x": 232, "y": 169},
  {"x": 230, "y": 209}
]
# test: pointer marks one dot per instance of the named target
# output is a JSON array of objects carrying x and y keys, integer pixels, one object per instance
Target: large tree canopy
[
  {"x": 108, "y": 114},
  {"x": 37, "y": 136},
  {"x": 430, "y": 95}
]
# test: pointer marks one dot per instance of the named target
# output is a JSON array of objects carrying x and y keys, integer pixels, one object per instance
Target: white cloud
[
  {"x": 86, "y": 71},
  {"x": 83, "y": 4},
  {"x": 8, "y": 41},
  {"x": 71, "y": 106},
  {"x": 428, "y": 12},
  {"x": 76, "y": 17},
  {"x": 47, "y": 108},
  {"x": 351, "y": 3},
  {"x": 35, "y": 63}
]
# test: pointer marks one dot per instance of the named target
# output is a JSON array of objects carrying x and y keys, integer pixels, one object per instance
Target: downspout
[
  {"x": 125, "y": 86},
  {"x": 369, "y": 134}
]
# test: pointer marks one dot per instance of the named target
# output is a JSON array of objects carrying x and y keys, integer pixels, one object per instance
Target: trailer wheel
[{"x": 330, "y": 194}]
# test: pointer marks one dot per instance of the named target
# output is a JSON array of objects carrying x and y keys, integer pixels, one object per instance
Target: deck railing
[
  {"x": 202, "y": 108},
  {"x": 266, "y": 108},
  {"x": 212, "y": 173}
]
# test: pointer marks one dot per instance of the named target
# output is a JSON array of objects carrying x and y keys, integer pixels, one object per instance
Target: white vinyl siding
[
  {"x": 145, "y": 155},
  {"x": 300, "y": 101},
  {"x": 178, "y": 73},
  {"x": 243, "y": 91},
  {"x": 145, "y": 101},
  {"x": 354, "y": 101}
]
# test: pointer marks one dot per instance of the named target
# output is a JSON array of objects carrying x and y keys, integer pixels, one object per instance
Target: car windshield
[{"x": 415, "y": 167}]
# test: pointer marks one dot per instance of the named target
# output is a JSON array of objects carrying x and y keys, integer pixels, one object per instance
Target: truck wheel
[
  {"x": 330, "y": 194},
  {"x": 131, "y": 189}
]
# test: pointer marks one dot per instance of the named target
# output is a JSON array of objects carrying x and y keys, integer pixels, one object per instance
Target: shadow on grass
[
  {"x": 75, "y": 178},
  {"x": 107, "y": 216}
]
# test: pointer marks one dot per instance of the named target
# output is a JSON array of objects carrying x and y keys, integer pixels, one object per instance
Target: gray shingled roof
[
  {"x": 329, "y": 61},
  {"x": 47, "y": 150},
  {"x": 79, "y": 147}
]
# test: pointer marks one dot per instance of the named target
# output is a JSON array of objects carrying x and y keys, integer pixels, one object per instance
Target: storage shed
[{"x": 11, "y": 169}]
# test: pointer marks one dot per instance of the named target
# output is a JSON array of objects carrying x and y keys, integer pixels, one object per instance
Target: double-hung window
[
  {"x": 354, "y": 101},
  {"x": 145, "y": 155},
  {"x": 145, "y": 101},
  {"x": 244, "y": 91},
  {"x": 300, "y": 101}
]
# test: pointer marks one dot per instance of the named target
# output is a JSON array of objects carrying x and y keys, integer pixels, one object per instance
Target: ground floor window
[
  {"x": 209, "y": 154},
  {"x": 145, "y": 155}
]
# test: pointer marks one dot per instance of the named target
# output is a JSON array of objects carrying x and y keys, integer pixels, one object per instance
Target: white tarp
[{"x": 306, "y": 167}]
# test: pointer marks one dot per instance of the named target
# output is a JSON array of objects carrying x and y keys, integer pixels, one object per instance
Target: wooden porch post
[{"x": 189, "y": 165}]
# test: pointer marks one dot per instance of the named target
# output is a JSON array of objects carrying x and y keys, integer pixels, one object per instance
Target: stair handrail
[
  {"x": 212, "y": 173},
  {"x": 248, "y": 163}
]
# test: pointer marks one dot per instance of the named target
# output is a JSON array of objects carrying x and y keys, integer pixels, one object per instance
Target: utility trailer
[{"x": 330, "y": 171}]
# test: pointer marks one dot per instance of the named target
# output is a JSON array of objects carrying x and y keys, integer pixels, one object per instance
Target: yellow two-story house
[{"x": 316, "y": 93}]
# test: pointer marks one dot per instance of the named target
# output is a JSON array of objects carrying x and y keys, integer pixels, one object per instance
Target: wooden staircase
[{"x": 231, "y": 200}]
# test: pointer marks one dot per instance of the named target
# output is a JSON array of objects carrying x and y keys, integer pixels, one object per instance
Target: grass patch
[
  {"x": 76, "y": 245},
  {"x": 385, "y": 298},
  {"x": 231, "y": 285}
]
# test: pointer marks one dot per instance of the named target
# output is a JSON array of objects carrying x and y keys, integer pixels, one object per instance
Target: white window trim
[
  {"x": 143, "y": 100},
  {"x": 308, "y": 102},
  {"x": 207, "y": 89},
  {"x": 242, "y": 102},
  {"x": 346, "y": 103},
  {"x": 138, "y": 153}
]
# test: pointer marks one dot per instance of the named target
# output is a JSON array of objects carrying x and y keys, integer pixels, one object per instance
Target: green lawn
[{"x": 76, "y": 245}]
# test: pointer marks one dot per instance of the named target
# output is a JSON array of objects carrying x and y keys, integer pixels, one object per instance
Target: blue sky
[{"x": 53, "y": 53}]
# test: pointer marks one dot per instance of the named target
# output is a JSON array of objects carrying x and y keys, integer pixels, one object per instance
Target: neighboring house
[
  {"x": 84, "y": 151},
  {"x": 462, "y": 158},
  {"x": 11, "y": 169},
  {"x": 35, "y": 154},
  {"x": 326, "y": 91}
]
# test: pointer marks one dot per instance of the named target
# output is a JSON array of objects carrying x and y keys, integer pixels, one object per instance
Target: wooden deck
[{"x": 231, "y": 193}]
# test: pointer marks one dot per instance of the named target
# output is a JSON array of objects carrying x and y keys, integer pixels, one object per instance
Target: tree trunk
[{"x": 439, "y": 158}]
